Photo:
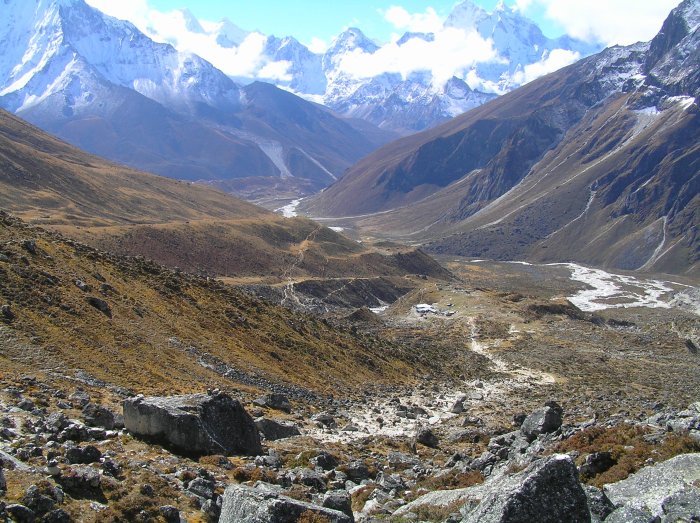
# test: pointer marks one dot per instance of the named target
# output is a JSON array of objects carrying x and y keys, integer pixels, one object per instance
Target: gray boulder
[
  {"x": 630, "y": 515},
  {"x": 274, "y": 401},
  {"x": 3, "y": 481},
  {"x": 339, "y": 500},
  {"x": 426, "y": 437},
  {"x": 682, "y": 506},
  {"x": 273, "y": 430},
  {"x": 546, "y": 491},
  {"x": 98, "y": 416},
  {"x": 243, "y": 504},
  {"x": 598, "y": 503},
  {"x": 196, "y": 424},
  {"x": 542, "y": 421},
  {"x": 650, "y": 487}
]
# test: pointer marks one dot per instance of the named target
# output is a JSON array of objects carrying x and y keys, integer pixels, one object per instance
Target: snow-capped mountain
[
  {"x": 103, "y": 85},
  {"x": 511, "y": 50},
  {"x": 52, "y": 45},
  {"x": 418, "y": 101}
]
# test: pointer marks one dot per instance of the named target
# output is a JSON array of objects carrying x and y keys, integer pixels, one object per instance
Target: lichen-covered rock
[
  {"x": 249, "y": 505},
  {"x": 196, "y": 424},
  {"x": 546, "y": 491},
  {"x": 650, "y": 487}
]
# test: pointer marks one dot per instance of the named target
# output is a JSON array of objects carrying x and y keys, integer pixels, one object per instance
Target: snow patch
[
  {"x": 289, "y": 210},
  {"x": 614, "y": 291}
]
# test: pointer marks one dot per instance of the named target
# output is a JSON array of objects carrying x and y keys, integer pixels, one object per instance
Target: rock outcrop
[
  {"x": 197, "y": 424},
  {"x": 651, "y": 487},
  {"x": 258, "y": 505},
  {"x": 546, "y": 491}
]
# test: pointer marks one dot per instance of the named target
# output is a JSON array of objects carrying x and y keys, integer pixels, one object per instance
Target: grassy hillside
[{"x": 164, "y": 331}]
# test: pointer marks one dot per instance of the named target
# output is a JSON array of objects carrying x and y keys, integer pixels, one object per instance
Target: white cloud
[
  {"x": 458, "y": 51},
  {"x": 620, "y": 22},
  {"x": 318, "y": 46},
  {"x": 246, "y": 60},
  {"x": 557, "y": 59},
  {"x": 428, "y": 22}
]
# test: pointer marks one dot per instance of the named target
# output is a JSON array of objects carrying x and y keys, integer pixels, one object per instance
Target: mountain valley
[
  {"x": 492, "y": 319},
  {"x": 592, "y": 164}
]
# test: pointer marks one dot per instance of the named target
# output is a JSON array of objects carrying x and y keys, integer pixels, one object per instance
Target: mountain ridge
[
  {"x": 615, "y": 128},
  {"x": 104, "y": 86}
]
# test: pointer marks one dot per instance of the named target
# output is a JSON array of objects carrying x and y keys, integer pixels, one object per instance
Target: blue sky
[{"x": 323, "y": 19}]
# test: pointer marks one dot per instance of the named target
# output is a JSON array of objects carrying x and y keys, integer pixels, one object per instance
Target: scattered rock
[
  {"x": 542, "y": 421},
  {"x": 630, "y": 515},
  {"x": 98, "y": 416},
  {"x": 170, "y": 514},
  {"x": 196, "y": 424},
  {"x": 426, "y": 437},
  {"x": 3, "y": 481},
  {"x": 648, "y": 488},
  {"x": 546, "y": 491},
  {"x": 682, "y": 506},
  {"x": 100, "y": 305},
  {"x": 20, "y": 513},
  {"x": 339, "y": 500},
  {"x": 6, "y": 313},
  {"x": 83, "y": 455},
  {"x": 273, "y": 430},
  {"x": 243, "y": 504},
  {"x": 274, "y": 401},
  {"x": 325, "y": 461}
]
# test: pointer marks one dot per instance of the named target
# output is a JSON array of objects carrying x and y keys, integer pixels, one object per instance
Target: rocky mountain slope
[
  {"x": 595, "y": 163},
  {"x": 103, "y": 85},
  {"x": 346, "y": 421}
]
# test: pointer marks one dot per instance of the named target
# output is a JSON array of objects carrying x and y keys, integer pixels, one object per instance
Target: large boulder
[
  {"x": 547, "y": 491},
  {"x": 259, "y": 505},
  {"x": 648, "y": 489},
  {"x": 195, "y": 424},
  {"x": 542, "y": 421}
]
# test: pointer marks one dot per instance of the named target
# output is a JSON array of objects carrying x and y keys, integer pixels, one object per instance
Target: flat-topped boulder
[
  {"x": 194, "y": 424},
  {"x": 244, "y": 504}
]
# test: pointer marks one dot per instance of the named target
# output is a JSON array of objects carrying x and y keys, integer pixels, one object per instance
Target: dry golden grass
[
  {"x": 628, "y": 447},
  {"x": 164, "y": 325}
]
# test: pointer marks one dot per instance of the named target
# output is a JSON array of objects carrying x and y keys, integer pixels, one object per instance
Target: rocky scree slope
[{"x": 596, "y": 163}]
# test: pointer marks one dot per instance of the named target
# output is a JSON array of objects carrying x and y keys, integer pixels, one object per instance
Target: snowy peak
[
  {"x": 45, "y": 32},
  {"x": 351, "y": 39},
  {"x": 466, "y": 15},
  {"x": 191, "y": 22}
]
